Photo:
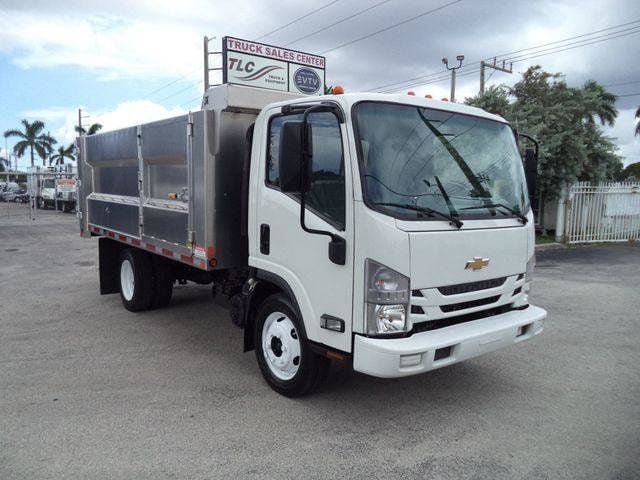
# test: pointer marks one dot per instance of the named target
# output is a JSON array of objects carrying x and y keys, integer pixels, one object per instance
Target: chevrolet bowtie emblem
[{"x": 477, "y": 263}]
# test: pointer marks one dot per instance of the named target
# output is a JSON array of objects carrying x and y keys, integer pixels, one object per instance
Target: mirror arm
[
  {"x": 529, "y": 137},
  {"x": 337, "y": 245}
]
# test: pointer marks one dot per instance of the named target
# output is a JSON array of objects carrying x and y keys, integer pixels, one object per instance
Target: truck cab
[{"x": 429, "y": 200}]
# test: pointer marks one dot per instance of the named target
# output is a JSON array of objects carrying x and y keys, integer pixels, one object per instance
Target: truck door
[{"x": 300, "y": 258}]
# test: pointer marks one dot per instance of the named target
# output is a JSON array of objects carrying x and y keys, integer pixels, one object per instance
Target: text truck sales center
[{"x": 266, "y": 66}]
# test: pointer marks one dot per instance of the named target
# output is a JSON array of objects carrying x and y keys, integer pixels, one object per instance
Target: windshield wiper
[
  {"x": 462, "y": 164},
  {"x": 445, "y": 196},
  {"x": 427, "y": 211},
  {"x": 518, "y": 214}
]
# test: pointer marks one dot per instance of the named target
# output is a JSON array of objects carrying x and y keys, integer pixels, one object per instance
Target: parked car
[{"x": 17, "y": 196}]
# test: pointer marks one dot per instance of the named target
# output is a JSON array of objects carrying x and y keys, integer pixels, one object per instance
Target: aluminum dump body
[{"x": 175, "y": 186}]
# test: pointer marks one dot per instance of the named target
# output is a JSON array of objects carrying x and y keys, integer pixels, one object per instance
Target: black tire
[
  {"x": 162, "y": 282},
  {"x": 312, "y": 368},
  {"x": 141, "y": 294}
]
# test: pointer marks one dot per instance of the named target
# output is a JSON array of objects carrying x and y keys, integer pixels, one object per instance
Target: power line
[
  {"x": 170, "y": 83},
  {"x": 188, "y": 87},
  {"x": 628, "y": 95},
  {"x": 297, "y": 19},
  {"x": 265, "y": 35},
  {"x": 350, "y": 42},
  {"x": 572, "y": 38},
  {"x": 531, "y": 55},
  {"x": 364, "y": 37},
  {"x": 349, "y": 17},
  {"x": 607, "y": 36},
  {"x": 520, "y": 51},
  {"x": 621, "y": 84},
  {"x": 190, "y": 102}
]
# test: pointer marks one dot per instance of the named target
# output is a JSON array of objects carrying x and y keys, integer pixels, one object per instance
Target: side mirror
[
  {"x": 294, "y": 167},
  {"x": 337, "y": 250},
  {"x": 531, "y": 171}
]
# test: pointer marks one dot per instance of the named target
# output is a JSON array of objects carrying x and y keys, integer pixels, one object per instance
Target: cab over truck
[{"x": 390, "y": 231}]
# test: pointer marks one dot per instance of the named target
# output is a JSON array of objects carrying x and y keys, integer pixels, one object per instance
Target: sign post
[{"x": 266, "y": 66}]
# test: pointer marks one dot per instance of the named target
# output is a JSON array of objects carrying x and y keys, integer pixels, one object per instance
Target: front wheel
[{"x": 284, "y": 356}]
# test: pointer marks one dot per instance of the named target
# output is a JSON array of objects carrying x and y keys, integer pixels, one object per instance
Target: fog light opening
[
  {"x": 443, "y": 352},
  {"x": 524, "y": 329}
]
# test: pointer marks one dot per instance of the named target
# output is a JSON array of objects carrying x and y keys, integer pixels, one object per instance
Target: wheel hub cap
[
  {"x": 281, "y": 346},
  {"x": 127, "y": 280}
]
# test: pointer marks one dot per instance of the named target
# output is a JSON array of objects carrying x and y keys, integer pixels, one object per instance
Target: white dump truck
[
  {"x": 389, "y": 231},
  {"x": 52, "y": 188}
]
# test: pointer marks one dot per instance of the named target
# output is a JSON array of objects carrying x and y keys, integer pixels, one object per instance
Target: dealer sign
[{"x": 275, "y": 68}]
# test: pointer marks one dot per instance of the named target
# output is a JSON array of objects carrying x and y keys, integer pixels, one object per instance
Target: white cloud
[
  {"x": 125, "y": 114},
  {"x": 112, "y": 46},
  {"x": 623, "y": 131}
]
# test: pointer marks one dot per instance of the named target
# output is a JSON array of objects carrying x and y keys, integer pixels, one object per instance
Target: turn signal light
[
  {"x": 445, "y": 99},
  {"x": 428, "y": 96},
  {"x": 337, "y": 90},
  {"x": 411, "y": 92}
]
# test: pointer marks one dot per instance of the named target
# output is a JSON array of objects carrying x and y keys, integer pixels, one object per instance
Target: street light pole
[{"x": 460, "y": 58}]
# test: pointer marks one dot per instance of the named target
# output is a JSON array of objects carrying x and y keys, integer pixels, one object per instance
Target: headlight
[
  {"x": 387, "y": 297},
  {"x": 528, "y": 273},
  {"x": 531, "y": 265}
]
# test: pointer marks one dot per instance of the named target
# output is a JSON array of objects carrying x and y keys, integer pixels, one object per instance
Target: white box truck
[{"x": 390, "y": 231}]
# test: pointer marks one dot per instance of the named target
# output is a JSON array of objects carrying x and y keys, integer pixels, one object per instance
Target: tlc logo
[{"x": 238, "y": 65}]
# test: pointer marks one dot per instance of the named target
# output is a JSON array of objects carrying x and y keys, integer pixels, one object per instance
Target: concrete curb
[{"x": 550, "y": 246}]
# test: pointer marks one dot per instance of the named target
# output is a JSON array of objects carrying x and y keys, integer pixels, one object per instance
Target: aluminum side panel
[
  {"x": 119, "y": 217},
  {"x": 167, "y": 225}
]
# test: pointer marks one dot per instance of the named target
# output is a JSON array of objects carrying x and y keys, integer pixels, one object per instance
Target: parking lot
[{"x": 90, "y": 390}]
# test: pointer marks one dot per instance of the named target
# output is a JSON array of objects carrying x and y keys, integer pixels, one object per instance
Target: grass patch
[{"x": 542, "y": 239}]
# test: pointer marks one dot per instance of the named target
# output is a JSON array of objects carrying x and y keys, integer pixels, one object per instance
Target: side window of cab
[{"x": 327, "y": 196}]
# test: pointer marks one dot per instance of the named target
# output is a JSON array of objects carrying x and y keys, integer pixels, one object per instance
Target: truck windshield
[{"x": 419, "y": 163}]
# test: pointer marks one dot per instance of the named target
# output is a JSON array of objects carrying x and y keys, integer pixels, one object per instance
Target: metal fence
[
  {"x": 608, "y": 212},
  {"x": 13, "y": 210}
]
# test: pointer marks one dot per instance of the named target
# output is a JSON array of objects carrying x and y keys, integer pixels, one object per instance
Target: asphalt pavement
[{"x": 89, "y": 390}]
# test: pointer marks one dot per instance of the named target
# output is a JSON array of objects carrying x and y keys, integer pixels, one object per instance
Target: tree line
[
  {"x": 567, "y": 122},
  {"x": 33, "y": 139}
]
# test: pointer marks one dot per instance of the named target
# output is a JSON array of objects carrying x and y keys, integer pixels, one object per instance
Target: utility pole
[
  {"x": 80, "y": 121},
  {"x": 460, "y": 58},
  {"x": 495, "y": 66}
]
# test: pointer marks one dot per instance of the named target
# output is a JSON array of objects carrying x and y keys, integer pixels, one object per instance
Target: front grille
[
  {"x": 472, "y": 286},
  {"x": 469, "y": 317},
  {"x": 454, "y": 307}
]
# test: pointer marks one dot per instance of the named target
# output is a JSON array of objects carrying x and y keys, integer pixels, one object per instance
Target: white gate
[{"x": 608, "y": 212}]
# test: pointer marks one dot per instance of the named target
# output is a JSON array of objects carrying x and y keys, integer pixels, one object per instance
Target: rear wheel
[
  {"x": 284, "y": 355},
  {"x": 136, "y": 278},
  {"x": 162, "y": 282}
]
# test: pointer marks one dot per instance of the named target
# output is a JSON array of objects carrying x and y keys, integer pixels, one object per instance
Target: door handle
[{"x": 265, "y": 237}]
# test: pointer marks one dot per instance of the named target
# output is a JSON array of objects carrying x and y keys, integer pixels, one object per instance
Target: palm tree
[
  {"x": 48, "y": 142},
  {"x": 599, "y": 104},
  {"x": 61, "y": 154},
  {"x": 33, "y": 139},
  {"x": 4, "y": 164},
  {"x": 93, "y": 129},
  {"x": 638, "y": 121}
]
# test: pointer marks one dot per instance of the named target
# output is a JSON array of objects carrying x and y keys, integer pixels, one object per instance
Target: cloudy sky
[{"x": 126, "y": 61}]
